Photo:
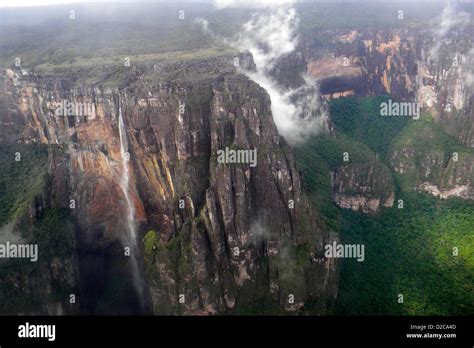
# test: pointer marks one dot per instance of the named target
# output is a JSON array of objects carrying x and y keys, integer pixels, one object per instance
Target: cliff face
[
  {"x": 446, "y": 82},
  {"x": 410, "y": 65},
  {"x": 363, "y": 62},
  {"x": 213, "y": 236},
  {"x": 364, "y": 187},
  {"x": 428, "y": 160},
  {"x": 238, "y": 230}
]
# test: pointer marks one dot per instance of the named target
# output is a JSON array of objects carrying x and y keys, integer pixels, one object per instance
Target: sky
[
  {"x": 26, "y": 3},
  {"x": 18, "y": 3}
]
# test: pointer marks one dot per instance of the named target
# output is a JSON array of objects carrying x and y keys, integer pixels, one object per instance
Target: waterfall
[{"x": 130, "y": 217}]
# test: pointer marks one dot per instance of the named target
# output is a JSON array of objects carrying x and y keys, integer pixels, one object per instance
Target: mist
[
  {"x": 270, "y": 35},
  {"x": 450, "y": 19}
]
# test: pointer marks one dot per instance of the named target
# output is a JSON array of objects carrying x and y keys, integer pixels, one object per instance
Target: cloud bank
[{"x": 270, "y": 35}]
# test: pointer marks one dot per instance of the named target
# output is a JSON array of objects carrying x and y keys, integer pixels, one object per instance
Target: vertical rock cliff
[{"x": 214, "y": 237}]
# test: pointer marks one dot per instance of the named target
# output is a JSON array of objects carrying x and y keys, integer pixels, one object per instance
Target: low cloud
[
  {"x": 450, "y": 19},
  {"x": 269, "y": 36},
  {"x": 220, "y": 4}
]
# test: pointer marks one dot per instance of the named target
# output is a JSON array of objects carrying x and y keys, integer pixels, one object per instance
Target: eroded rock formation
[{"x": 216, "y": 236}]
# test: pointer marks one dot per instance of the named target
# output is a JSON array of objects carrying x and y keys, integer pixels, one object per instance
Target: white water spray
[{"x": 130, "y": 218}]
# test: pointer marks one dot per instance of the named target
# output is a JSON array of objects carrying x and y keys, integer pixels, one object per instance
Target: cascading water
[{"x": 130, "y": 218}]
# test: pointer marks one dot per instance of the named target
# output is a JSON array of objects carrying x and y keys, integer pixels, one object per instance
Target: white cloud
[
  {"x": 269, "y": 37},
  {"x": 450, "y": 19},
  {"x": 220, "y": 4}
]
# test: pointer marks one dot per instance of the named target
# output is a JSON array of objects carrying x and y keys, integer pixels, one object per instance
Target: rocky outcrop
[
  {"x": 408, "y": 64},
  {"x": 446, "y": 83},
  {"x": 364, "y": 187},
  {"x": 362, "y": 62},
  {"x": 235, "y": 229},
  {"x": 216, "y": 236},
  {"x": 426, "y": 160}
]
